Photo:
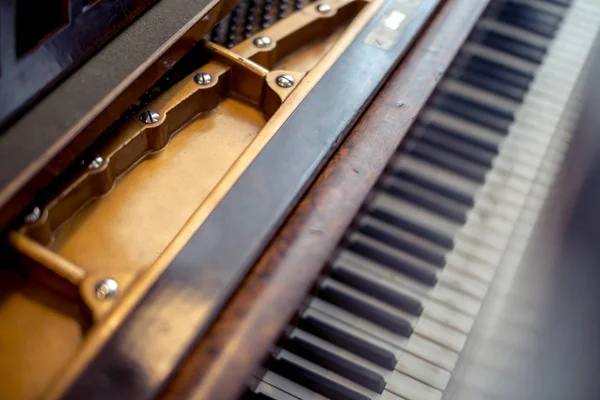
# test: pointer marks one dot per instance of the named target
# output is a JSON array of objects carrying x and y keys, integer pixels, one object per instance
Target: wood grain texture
[{"x": 220, "y": 365}]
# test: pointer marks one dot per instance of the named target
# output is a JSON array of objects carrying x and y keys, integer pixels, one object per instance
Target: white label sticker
[
  {"x": 390, "y": 26},
  {"x": 394, "y": 20}
]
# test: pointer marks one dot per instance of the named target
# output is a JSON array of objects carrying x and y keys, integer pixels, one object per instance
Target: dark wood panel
[
  {"x": 185, "y": 299},
  {"x": 49, "y": 38},
  {"x": 221, "y": 363}
]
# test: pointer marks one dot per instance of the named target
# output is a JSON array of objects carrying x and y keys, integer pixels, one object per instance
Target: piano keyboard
[{"x": 392, "y": 313}]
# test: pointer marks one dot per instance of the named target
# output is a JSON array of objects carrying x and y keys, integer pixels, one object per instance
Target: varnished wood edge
[{"x": 220, "y": 365}]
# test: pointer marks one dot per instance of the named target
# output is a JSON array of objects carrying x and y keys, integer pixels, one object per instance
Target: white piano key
[
  {"x": 441, "y": 293},
  {"x": 395, "y": 313},
  {"x": 424, "y": 371},
  {"x": 438, "y": 333},
  {"x": 445, "y": 314},
  {"x": 514, "y": 32},
  {"x": 416, "y": 344},
  {"x": 408, "y": 211},
  {"x": 433, "y": 378},
  {"x": 324, "y": 373},
  {"x": 471, "y": 129},
  {"x": 470, "y": 92},
  {"x": 271, "y": 379},
  {"x": 499, "y": 57},
  {"x": 411, "y": 389},
  {"x": 278, "y": 394},
  {"x": 421, "y": 168}
]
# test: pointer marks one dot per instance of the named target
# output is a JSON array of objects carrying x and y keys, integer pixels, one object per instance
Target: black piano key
[
  {"x": 515, "y": 47},
  {"x": 366, "y": 310},
  {"x": 447, "y": 160},
  {"x": 499, "y": 72},
  {"x": 399, "y": 262},
  {"x": 333, "y": 362},
  {"x": 475, "y": 143},
  {"x": 314, "y": 381},
  {"x": 530, "y": 21},
  {"x": 381, "y": 292},
  {"x": 484, "y": 82},
  {"x": 403, "y": 240},
  {"x": 564, "y": 3},
  {"x": 350, "y": 342},
  {"x": 530, "y": 12},
  {"x": 475, "y": 105},
  {"x": 438, "y": 187},
  {"x": 462, "y": 148},
  {"x": 425, "y": 198},
  {"x": 495, "y": 119},
  {"x": 414, "y": 227}
]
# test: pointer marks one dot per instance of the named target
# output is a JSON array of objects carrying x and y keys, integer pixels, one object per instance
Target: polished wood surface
[{"x": 221, "y": 364}]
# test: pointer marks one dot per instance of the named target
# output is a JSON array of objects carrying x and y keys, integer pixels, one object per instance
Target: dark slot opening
[{"x": 37, "y": 21}]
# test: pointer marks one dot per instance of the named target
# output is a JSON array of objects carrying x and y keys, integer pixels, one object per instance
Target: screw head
[
  {"x": 324, "y": 8},
  {"x": 202, "y": 78},
  {"x": 285, "y": 81},
  {"x": 149, "y": 117},
  {"x": 33, "y": 216},
  {"x": 106, "y": 289},
  {"x": 262, "y": 42},
  {"x": 96, "y": 163}
]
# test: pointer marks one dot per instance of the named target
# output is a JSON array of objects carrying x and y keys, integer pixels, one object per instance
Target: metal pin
[
  {"x": 33, "y": 216},
  {"x": 96, "y": 163},
  {"x": 202, "y": 78},
  {"x": 324, "y": 8},
  {"x": 149, "y": 117},
  {"x": 106, "y": 289},
  {"x": 285, "y": 81},
  {"x": 262, "y": 42}
]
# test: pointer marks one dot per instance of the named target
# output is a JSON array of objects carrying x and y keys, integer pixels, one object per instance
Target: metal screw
[
  {"x": 262, "y": 42},
  {"x": 33, "y": 216},
  {"x": 149, "y": 117},
  {"x": 285, "y": 81},
  {"x": 324, "y": 8},
  {"x": 106, "y": 289},
  {"x": 96, "y": 163},
  {"x": 202, "y": 78}
]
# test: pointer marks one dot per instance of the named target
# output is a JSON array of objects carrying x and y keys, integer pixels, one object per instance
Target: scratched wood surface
[{"x": 220, "y": 366}]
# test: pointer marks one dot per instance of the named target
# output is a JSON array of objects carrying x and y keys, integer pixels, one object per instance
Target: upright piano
[{"x": 298, "y": 200}]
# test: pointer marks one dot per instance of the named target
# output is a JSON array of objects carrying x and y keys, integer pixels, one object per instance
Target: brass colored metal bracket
[
  {"x": 250, "y": 73},
  {"x": 70, "y": 279}
]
